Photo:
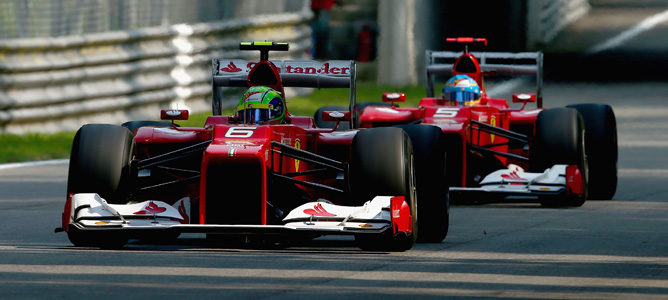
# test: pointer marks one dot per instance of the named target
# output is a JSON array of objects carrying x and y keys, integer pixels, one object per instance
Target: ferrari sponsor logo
[
  {"x": 298, "y": 145},
  {"x": 318, "y": 211},
  {"x": 492, "y": 122},
  {"x": 150, "y": 209}
]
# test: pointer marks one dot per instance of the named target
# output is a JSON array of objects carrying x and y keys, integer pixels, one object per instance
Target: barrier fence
[{"x": 59, "y": 83}]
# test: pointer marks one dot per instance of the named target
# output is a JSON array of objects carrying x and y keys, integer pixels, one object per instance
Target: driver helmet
[
  {"x": 261, "y": 105},
  {"x": 462, "y": 90}
]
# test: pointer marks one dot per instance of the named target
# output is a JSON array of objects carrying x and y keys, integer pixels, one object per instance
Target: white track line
[
  {"x": 630, "y": 33},
  {"x": 34, "y": 163}
]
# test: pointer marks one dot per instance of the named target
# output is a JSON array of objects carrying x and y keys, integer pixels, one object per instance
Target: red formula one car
[
  {"x": 484, "y": 146},
  {"x": 259, "y": 175}
]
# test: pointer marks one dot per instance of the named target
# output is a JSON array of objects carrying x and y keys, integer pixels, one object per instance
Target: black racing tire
[
  {"x": 382, "y": 165},
  {"x": 343, "y": 125},
  {"x": 559, "y": 139},
  {"x": 134, "y": 125},
  {"x": 429, "y": 148},
  {"x": 601, "y": 148},
  {"x": 100, "y": 162}
]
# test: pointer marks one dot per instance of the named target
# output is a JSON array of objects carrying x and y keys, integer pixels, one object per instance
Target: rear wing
[
  {"x": 293, "y": 73},
  {"x": 499, "y": 63}
]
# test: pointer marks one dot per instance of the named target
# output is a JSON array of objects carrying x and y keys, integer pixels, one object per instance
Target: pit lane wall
[{"x": 50, "y": 84}]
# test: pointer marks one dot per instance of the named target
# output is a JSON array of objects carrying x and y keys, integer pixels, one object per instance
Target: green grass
[
  {"x": 29, "y": 147},
  {"x": 34, "y": 146}
]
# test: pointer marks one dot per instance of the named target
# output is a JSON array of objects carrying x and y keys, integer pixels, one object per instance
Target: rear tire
[
  {"x": 382, "y": 165},
  {"x": 429, "y": 147},
  {"x": 601, "y": 148},
  {"x": 559, "y": 139}
]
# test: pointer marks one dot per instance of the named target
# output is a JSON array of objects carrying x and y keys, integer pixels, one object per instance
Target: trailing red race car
[
  {"x": 483, "y": 146},
  {"x": 261, "y": 174}
]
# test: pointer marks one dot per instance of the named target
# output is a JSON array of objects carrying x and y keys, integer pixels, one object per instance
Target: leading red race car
[
  {"x": 259, "y": 175},
  {"x": 483, "y": 147}
]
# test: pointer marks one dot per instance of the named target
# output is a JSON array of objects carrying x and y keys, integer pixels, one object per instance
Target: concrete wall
[{"x": 408, "y": 27}]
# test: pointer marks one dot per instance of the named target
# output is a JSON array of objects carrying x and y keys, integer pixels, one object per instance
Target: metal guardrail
[
  {"x": 546, "y": 18},
  {"x": 54, "y": 84}
]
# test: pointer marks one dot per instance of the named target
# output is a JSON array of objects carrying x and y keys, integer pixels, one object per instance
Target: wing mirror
[
  {"x": 335, "y": 116},
  {"x": 524, "y": 98},
  {"x": 394, "y": 98},
  {"x": 174, "y": 114}
]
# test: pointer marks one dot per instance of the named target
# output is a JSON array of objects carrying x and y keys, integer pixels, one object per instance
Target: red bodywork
[
  {"x": 245, "y": 176},
  {"x": 234, "y": 185},
  {"x": 459, "y": 124}
]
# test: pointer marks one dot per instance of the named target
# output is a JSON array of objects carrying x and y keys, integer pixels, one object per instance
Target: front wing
[
  {"x": 506, "y": 185},
  {"x": 89, "y": 212}
]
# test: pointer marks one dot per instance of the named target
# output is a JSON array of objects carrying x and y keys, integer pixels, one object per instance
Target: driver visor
[
  {"x": 255, "y": 113},
  {"x": 461, "y": 96}
]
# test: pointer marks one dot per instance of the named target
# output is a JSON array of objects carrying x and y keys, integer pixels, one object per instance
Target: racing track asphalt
[{"x": 606, "y": 249}]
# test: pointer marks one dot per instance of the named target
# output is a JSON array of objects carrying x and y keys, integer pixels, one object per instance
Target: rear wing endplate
[
  {"x": 294, "y": 73},
  {"x": 500, "y": 63}
]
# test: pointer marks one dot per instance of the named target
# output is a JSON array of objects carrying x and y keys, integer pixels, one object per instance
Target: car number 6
[{"x": 240, "y": 132}]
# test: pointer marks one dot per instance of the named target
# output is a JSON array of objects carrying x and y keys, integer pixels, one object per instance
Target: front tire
[
  {"x": 382, "y": 165},
  {"x": 559, "y": 139},
  {"x": 429, "y": 146},
  {"x": 601, "y": 148},
  {"x": 100, "y": 163}
]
